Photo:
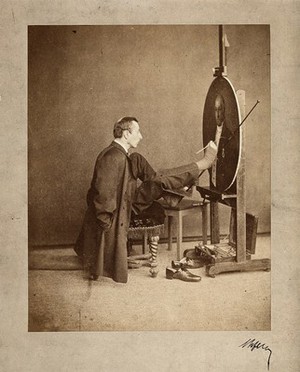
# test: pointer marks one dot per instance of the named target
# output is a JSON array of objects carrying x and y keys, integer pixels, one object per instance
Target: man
[
  {"x": 224, "y": 168},
  {"x": 113, "y": 193}
]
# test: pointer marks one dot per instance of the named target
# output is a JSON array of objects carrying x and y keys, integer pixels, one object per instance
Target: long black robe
[{"x": 109, "y": 202}]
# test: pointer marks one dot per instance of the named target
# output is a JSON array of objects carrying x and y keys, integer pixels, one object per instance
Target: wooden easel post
[
  {"x": 214, "y": 206},
  {"x": 222, "y": 62},
  {"x": 241, "y": 188}
]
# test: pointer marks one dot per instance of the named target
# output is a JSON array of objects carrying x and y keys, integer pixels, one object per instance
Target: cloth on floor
[{"x": 53, "y": 259}]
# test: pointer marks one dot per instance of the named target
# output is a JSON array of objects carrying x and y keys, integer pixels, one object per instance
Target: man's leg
[
  {"x": 172, "y": 179},
  {"x": 179, "y": 177}
]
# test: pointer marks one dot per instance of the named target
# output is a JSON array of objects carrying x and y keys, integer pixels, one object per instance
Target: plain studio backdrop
[
  {"x": 69, "y": 124},
  {"x": 81, "y": 79}
]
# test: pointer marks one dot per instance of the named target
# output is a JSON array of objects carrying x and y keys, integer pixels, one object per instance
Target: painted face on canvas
[{"x": 219, "y": 110}]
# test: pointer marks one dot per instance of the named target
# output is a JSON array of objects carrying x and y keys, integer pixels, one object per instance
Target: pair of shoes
[
  {"x": 187, "y": 263},
  {"x": 133, "y": 264},
  {"x": 180, "y": 274}
]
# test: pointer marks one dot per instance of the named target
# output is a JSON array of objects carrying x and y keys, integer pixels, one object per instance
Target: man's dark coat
[{"x": 109, "y": 202}]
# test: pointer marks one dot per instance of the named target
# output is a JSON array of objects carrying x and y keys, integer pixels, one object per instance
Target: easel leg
[
  {"x": 145, "y": 241},
  {"x": 249, "y": 265}
]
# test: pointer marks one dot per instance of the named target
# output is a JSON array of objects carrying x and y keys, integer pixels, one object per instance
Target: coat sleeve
[
  {"x": 109, "y": 175},
  {"x": 140, "y": 167}
]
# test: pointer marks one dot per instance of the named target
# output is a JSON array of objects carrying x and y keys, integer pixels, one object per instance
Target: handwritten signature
[{"x": 253, "y": 344}]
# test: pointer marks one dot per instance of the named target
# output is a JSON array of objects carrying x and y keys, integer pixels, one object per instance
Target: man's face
[
  {"x": 134, "y": 135},
  {"x": 219, "y": 111}
]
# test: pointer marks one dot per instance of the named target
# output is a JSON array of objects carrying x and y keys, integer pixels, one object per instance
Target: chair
[{"x": 186, "y": 207}]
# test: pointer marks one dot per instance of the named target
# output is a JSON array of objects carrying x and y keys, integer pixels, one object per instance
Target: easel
[{"x": 237, "y": 201}]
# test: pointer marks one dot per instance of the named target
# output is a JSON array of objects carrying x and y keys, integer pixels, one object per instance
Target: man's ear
[{"x": 125, "y": 133}]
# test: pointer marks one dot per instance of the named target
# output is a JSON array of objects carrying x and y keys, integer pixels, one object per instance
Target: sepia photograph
[{"x": 149, "y": 184}]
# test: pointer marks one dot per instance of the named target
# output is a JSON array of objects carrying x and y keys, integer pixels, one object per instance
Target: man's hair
[{"x": 122, "y": 124}]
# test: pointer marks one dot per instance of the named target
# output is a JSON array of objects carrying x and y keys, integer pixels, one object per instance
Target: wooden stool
[{"x": 185, "y": 208}]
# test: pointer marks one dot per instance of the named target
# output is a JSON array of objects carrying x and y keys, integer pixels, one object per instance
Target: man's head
[
  {"x": 128, "y": 130},
  {"x": 219, "y": 109}
]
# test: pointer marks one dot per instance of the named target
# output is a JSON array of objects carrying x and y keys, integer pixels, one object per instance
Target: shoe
[
  {"x": 132, "y": 252},
  {"x": 199, "y": 256},
  {"x": 186, "y": 252},
  {"x": 187, "y": 263},
  {"x": 180, "y": 274},
  {"x": 133, "y": 264},
  {"x": 145, "y": 256},
  {"x": 205, "y": 254},
  {"x": 172, "y": 200},
  {"x": 174, "y": 197}
]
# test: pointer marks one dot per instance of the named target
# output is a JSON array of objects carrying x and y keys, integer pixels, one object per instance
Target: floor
[{"x": 61, "y": 300}]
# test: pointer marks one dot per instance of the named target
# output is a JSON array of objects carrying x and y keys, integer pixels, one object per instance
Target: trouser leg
[
  {"x": 176, "y": 178},
  {"x": 169, "y": 179}
]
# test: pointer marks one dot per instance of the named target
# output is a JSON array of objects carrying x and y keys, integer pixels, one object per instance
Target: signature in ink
[{"x": 253, "y": 344}]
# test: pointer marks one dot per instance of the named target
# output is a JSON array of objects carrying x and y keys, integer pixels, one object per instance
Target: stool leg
[
  {"x": 170, "y": 237},
  {"x": 145, "y": 241},
  {"x": 204, "y": 222},
  {"x": 179, "y": 235},
  {"x": 153, "y": 243}
]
